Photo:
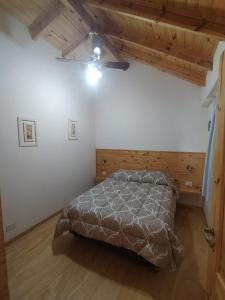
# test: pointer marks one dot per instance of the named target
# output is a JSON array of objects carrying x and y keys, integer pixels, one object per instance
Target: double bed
[{"x": 130, "y": 209}]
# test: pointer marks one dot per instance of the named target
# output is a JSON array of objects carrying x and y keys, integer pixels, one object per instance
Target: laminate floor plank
[{"x": 73, "y": 267}]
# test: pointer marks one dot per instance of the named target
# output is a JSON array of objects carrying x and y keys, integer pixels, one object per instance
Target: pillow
[
  {"x": 128, "y": 175},
  {"x": 160, "y": 178},
  {"x": 144, "y": 176},
  {"x": 156, "y": 177}
]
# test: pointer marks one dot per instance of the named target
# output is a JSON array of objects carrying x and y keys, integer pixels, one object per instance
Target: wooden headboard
[{"x": 185, "y": 167}]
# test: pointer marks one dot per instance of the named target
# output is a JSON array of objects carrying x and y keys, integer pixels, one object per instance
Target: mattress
[{"x": 131, "y": 209}]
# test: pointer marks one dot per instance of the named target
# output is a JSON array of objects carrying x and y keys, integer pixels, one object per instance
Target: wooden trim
[
  {"x": 218, "y": 188},
  {"x": 41, "y": 24},
  {"x": 4, "y": 291},
  {"x": 183, "y": 54},
  {"x": 196, "y": 20},
  {"x": 173, "y": 163},
  {"x": 31, "y": 228},
  {"x": 211, "y": 96},
  {"x": 77, "y": 5}
]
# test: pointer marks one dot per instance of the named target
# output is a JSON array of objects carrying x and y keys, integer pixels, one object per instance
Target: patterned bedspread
[{"x": 130, "y": 209}]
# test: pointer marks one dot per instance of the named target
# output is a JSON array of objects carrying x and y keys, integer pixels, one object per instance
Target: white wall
[
  {"x": 36, "y": 182},
  {"x": 139, "y": 109},
  {"x": 144, "y": 108}
]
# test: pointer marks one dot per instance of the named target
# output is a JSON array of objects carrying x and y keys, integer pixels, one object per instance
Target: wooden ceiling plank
[
  {"x": 87, "y": 18},
  {"x": 166, "y": 48},
  {"x": 166, "y": 68},
  {"x": 67, "y": 51},
  {"x": 43, "y": 21},
  {"x": 134, "y": 51},
  {"x": 194, "y": 20},
  {"x": 111, "y": 48}
]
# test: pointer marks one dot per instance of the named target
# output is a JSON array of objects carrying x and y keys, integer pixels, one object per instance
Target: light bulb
[
  {"x": 97, "y": 51},
  {"x": 93, "y": 74}
]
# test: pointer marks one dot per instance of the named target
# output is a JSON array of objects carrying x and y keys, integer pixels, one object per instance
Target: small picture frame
[
  {"x": 73, "y": 130},
  {"x": 27, "y": 132}
]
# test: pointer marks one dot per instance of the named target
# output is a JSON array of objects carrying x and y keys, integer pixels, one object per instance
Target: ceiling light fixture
[
  {"x": 97, "y": 51},
  {"x": 93, "y": 74}
]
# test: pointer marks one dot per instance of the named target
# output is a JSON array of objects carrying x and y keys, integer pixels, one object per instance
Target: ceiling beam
[
  {"x": 87, "y": 18},
  {"x": 67, "y": 51},
  {"x": 42, "y": 23},
  {"x": 166, "y": 48},
  {"x": 132, "y": 51},
  {"x": 168, "y": 68},
  {"x": 197, "y": 20}
]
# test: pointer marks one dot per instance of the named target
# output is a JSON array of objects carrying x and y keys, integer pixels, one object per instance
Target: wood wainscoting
[{"x": 183, "y": 166}]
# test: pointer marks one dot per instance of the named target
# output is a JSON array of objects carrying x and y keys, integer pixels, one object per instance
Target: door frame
[{"x": 218, "y": 188}]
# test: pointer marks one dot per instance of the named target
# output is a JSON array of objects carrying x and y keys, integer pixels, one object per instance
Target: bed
[{"x": 130, "y": 209}]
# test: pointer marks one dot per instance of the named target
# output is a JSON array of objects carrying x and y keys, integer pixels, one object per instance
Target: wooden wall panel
[
  {"x": 172, "y": 163},
  {"x": 4, "y": 295}
]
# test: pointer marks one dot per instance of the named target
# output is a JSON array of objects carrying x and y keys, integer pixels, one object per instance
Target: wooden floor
[{"x": 83, "y": 269}]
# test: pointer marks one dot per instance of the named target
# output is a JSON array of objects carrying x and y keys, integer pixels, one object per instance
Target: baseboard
[{"x": 7, "y": 243}]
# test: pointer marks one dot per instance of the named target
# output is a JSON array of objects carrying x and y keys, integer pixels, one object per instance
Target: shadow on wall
[{"x": 7, "y": 28}]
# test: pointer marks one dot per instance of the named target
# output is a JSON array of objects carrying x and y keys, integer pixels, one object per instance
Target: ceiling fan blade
[
  {"x": 117, "y": 65},
  {"x": 71, "y": 60},
  {"x": 109, "y": 64}
]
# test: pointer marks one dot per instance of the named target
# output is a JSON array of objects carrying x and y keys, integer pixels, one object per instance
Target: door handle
[{"x": 209, "y": 236}]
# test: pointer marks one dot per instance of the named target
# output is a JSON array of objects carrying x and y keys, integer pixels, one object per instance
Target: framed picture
[
  {"x": 27, "y": 132},
  {"x": 73, "y": 130}
]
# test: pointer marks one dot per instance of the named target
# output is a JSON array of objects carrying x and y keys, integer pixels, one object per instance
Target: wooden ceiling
[{"x": 178, "y": 37}]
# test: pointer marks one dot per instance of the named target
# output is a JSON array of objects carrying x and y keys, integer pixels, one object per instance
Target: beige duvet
[{"x": 131, "y": 209}]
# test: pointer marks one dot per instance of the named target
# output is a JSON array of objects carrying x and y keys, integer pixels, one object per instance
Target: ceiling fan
[{"x": 95, "y": 63}]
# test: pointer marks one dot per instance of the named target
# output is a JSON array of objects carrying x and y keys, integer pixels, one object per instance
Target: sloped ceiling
[{"x": 178, "y": 37}]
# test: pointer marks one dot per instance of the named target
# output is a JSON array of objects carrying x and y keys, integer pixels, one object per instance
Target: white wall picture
[
  {"x": 27, "y": 132},
  {"x": 73, "y": 130}
]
